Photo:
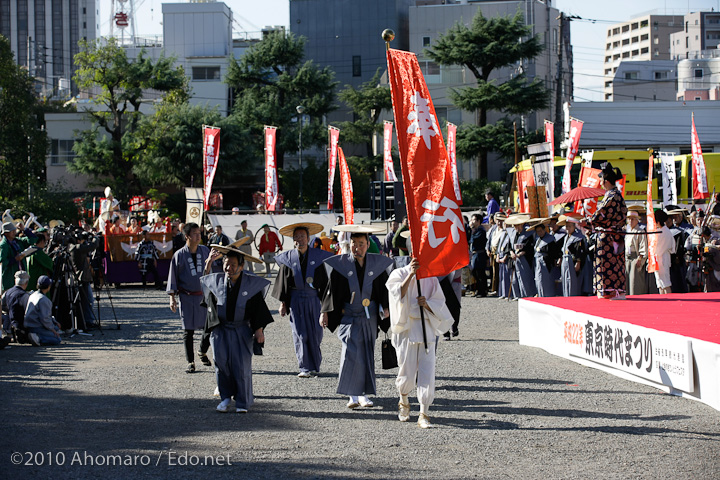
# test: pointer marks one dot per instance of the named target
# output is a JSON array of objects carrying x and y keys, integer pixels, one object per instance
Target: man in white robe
[
  {"x": 416, "y": 363},
  {"x": 664, "y": 249}
]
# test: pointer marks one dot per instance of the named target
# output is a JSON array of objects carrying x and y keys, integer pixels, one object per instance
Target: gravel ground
[{"x": 501, "y": 411}]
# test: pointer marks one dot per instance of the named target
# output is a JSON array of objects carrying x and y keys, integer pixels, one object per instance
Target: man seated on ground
[
  {"x": 14, "y": 302},
  {"x": 39, "y": 322}
]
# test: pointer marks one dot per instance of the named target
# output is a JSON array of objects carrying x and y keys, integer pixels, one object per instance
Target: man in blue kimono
[
  {"x": 237, "y": 315},
  {"x": 355, "y": 303},
  {"x": 300, "y": 283},
  {"x": 520, "y": 261},
  {"x": 574, "y": 256},
  {"x": 544, "y": 260},
  {"x": 186, "y": 267}
]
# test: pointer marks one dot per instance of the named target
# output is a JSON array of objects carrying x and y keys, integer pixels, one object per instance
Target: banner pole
[{"x": 422, "y": 315}]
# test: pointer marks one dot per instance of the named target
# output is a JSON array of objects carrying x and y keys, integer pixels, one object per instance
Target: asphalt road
[{"x": 119, "y": 405}]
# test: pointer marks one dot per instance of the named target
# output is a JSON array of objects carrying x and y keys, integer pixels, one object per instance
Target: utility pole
[{"x": 558, "y": 127}]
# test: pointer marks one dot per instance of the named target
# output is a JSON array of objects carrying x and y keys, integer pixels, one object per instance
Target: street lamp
[{"x": 300, "y": 109}]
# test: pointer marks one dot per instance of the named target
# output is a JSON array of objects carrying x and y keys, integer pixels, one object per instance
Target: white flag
[{"x": 668, "y": 178}]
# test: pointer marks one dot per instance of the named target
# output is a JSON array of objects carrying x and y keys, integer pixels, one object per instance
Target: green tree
[
  {"x": 23, "y": 142},
  {"x": 270, "y": 81},
  {"x": 486, "y": 45},
  {"x": 175, "y": 143},
  {"x": 111, "y": 148}
]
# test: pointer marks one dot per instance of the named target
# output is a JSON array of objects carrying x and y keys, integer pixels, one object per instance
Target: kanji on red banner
[
  {"x": 575, "y": 130},
  {"x": 589, "y": 177},
  {"x": 347, "y": 189},
  {"x": 700, "y": 186},
  {"x": 211, "y": 153},
  {"x": 387, "y": 153},
  {"x": 525, "y": 178},
  {"x": 438, "y": 234},
  {"x": 271, "y": 182},
  {"x": 333, "y": 135},
  {"x": 652, "y": 265}
]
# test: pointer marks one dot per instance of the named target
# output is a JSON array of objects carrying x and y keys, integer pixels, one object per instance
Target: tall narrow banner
[
  {"x": 438, "y": 233},
  {"x": 667, "y": 161},
  {"x": 333, "y": 136},
  {"x": 271, "y": 180},
  {"x": 525, "y": 179},
  {"x": 550, "y": 137},
  {"x": 211, "y": 152},
  {"x": 700, "y": 186},
  {"x": 452, "y": 135},
  {"x": 194, "y": 202},
  {"x": 652, "y": 265},
  {"x": 575, "y": 131},
  {"x": 589, "y": 177},
  {"x": 387, "y": 153},
  {"x": 347, "y": 188}
]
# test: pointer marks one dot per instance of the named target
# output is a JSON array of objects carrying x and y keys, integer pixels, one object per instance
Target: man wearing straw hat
[
  {"x": 237, "y": 314},
  {"x": 300, "y": 283},
  {"x": 520, "y": 266},
  {"x": 635, "y": 255},
  {"x": 544, "y": 259},
  {"x": 574, "y": 255},
  {"x": 352, "y": 304}
]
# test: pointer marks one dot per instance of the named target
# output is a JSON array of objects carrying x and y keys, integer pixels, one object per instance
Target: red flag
[
  {"x": 452, "y": 135},
  {"x": 333, "y": 135},
  {"x": 575, "y": 130},
  {"x": 211, "y": 152},
  {"x": 271, "y": 181},
  {"x": 589, "y": 177},
  {"x": 347, "y": 189},
  {"x": 438, "y": 238},
  {"x": 525, "y": 178},
  {"x": 620, "y": 184},
  {"x": 387, "y": 153},
  {"x": 550, "y": 137},
  {"x": 651, "y": 226},
  {"x": 700, "y": 186}
]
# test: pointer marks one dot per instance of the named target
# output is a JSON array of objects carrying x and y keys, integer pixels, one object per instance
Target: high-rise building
[
  {"x": 646, "y": 37},
  {"x": 44, "y": 36},
  {"x": 699, "y": 37}
]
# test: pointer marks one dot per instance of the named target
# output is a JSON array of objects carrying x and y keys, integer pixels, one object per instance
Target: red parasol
[{"x": 577, "y": 194}]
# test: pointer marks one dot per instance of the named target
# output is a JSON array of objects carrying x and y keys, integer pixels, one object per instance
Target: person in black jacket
[{"x": 478, "y": 256}]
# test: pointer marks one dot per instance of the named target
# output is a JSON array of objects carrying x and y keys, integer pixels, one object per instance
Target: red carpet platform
[{"x": 671, "y": 342}]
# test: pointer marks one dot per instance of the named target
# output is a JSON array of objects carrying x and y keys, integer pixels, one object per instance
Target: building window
[
  {"x": 631, "y": 75},
  {"x": 698, "y": 98},
  {"x": 625, "y": 28},
  {"x": 205, "y": 73},
  {"x": 626, "y": 55},
  {"x": 426, "y": 41},
  {"x": 644, "y": 37},
  {"x": 616, "y": 44},
  {"x": 61, "y": 151},
  {"x": 656, "y": 40},
  {"x": 643, "y": 24},
  {"x": 616, "y": 57},
  {"x": 661, "y": 75},
  {"x": 645, "y": 50},
  {"x": 84, "y": 10},
  {"x": 686, "y": 27},
  {"x": 608, "y": 71},
  {"x": 635, "y": 39},
  {"x": 430, "y": 68},
  {"x": 635, "y": 53},
  {"x": 608, "y": 84},
  {"x": 698, "y": 73},
  {"x": 634, "y": 26},
  {"x": 609, "y": 33},
  {"x": 616, "y": 31},
  {"x": 607, "y": 47},
  {"x": 607, "y": 59},
  {"x": 356, "y": 66},
  {"x": 626, "y": 41}
]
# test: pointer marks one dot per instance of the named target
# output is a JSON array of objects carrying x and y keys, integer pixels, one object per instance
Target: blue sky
[{"x": 587, "y": 37}]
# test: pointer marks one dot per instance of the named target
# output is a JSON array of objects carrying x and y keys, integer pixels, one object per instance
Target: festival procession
[{"x": 276, "y": 253}]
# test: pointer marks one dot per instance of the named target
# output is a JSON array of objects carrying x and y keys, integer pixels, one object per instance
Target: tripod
[
  {"x": 100, "y": 285},
  {"x": 67, "y": 279}
]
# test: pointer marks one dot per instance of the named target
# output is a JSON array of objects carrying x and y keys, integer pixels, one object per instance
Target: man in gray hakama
[
  {"x": 635, "y": 255},
  {"x": 521, "y": 255},
  {"x": 237, "y": 313},
  {"x": 355, "y": 292},
  {"x": 186, "y": 267},
  {"x": 574, "y": 257},
  {"x": 544, "y": 262},
  {"x": 502, "y": 256},
  {"x": 299, "y": 280}
]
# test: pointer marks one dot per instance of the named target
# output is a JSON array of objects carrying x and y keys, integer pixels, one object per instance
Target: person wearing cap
[
  {"x": 609, "y": 263},
  {"x": 574, "y": 256},
  {"x": 14, "y": 302},
  {"x": 545, "y": 260},
  {"x": 236, "y": 211},
  {"x": 635, "y": 255},
  {"x": 39, "y": 322},
  {"x": 237, "y": 316},
  {"x": 243, "y": 232},
  {"x": 269, "y": 245},
  {"x": 416, "y": 363},
  {"x": 183, "y": 285},
  {"x": 147, "y": 256},
  {"x": 39, "y": 262},
  {"x": 12, "y": 253},
  {"x": 520, "y": 263},
  {"x": 388, "y": 248},
  {"x": 493, "y": 206},
  {"x": 300, "y": 283},
  {"x": 351, "y": 305},
  {"x": 664, "y": 249}
]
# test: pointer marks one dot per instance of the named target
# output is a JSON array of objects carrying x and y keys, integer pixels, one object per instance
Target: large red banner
[
  {"x": 347, "y": 189},
  {"x": 525, "y": 178},
  {"x": 550, "y": 137},
  {"x": 589, "y": 177},
  {"x": 333, "y": 136},
  {"x": 452, "y": 135},
  {"x": 438, "y": 234},
  {"x": 700, "y": 186},
  {"x": 387, "y": 153},
  {"x": 575, "y": 131},
  {"x": 211, "y": 152},
  {"x": 651, "y": 226},
  {"x": 271, "y": 180}
]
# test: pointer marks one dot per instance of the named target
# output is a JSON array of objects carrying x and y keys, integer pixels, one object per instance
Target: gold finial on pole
[
  {"x": 388, "y": 35},
  {"x": 650, "y": 151}
]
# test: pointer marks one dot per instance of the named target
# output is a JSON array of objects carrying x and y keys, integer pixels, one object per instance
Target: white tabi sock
[
  {"x": 424, "y": 408},
  {"x": 353, "y": 399},
  {"x": 404, "y": 399}
]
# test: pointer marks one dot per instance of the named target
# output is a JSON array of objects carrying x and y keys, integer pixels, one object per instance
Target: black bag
[{"x": 389, "y": 356}]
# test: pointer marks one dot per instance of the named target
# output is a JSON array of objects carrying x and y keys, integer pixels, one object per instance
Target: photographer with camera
[
  {"x": 86, "y": 244},
  {"x": 12, "y": 253},
  {"x": 39, "y": 262}
]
